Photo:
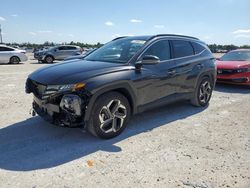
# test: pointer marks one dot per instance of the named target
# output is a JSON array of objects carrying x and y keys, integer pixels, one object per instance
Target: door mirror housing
[
  {"x": 147, "y": 60},
  {"x": 150, "y": 60}
]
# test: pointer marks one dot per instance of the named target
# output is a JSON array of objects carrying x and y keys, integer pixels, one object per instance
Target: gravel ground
[{"x": 174, "y": 146}]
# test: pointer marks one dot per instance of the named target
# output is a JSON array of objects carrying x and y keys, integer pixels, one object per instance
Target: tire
[
  {"x": 49, "y": 59},
  {"x": 14, "y": 60},
  {"x": 202, "y": 93},
  {"x": 110, "y": 115}
]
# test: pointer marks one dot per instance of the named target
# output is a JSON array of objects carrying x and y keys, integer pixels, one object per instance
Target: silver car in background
[
  {"x": 82, "y": 56},
  {"x": 11, "y": 55},
  {"x": 57, "y": 53}
]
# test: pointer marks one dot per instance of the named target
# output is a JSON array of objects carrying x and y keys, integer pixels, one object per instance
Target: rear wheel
[
  {"x": 14, "y": 60},
  {"x": 49, "y": 59},
  {"x": 203, "y": 92},
  {"x": 110, "y": 115}
]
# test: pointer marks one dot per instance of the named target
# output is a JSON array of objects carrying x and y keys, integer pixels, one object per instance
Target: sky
[{"x": 92, "y": 21}]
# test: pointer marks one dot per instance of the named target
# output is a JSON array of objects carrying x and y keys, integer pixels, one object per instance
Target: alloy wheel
[
  {"x": 14, "y": 60},
  {"x": 205, "y": 92},
  {"x": 112, "y": 116},
  {"x": 49, "y": 59}
]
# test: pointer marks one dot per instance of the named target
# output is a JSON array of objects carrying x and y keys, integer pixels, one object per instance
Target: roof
[{"x": 149, "y": 37}]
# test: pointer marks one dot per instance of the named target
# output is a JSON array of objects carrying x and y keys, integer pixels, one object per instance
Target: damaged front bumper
[
  {"x": 60, "y": 108},
  {"x": 69, "y": 112}
]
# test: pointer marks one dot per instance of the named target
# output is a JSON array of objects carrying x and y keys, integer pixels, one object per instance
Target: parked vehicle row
[
  {"x": 12, "y": 55},
  {"x": 57, "y": 53},
  {"x": 124, "y": 77}
]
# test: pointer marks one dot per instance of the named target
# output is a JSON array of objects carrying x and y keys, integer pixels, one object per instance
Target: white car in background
[{"x": 11, "y": 55}]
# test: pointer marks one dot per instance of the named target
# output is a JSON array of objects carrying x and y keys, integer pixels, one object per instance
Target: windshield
[
  {"x": 236, "y": 56},
  {"x": 118, "y": 51}
]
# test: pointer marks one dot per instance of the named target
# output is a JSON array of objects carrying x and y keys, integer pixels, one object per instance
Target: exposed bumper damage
[{"x": 64, "y": 109}]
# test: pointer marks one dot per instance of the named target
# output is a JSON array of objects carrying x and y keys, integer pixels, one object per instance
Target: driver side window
[{"x": 161, "y": 49}]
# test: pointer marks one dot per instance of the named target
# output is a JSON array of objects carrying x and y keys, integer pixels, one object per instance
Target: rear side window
[
  {"x": 182, "y": 48},
  {"x": 198, "y": 48},
  {"x": 71, "y": 48},
  {"x": 160, "y": 49}
]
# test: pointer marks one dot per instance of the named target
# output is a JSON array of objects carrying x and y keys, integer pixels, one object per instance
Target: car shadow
[
  {"x": 38, "y": 63},
  {"x": 10, "y": 64},
  {"x": 229, "y": 88},
  {"x": 35, "y": 144}
]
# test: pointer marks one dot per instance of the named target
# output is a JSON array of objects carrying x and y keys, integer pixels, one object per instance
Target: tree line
[
  {"x": 50, "y": 44},
  {"x": 213, "y": 47},
  {"x": 225, "y": 48}
]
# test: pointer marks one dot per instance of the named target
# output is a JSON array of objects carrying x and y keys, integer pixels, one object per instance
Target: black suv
[{"x": 124, "y": 77}]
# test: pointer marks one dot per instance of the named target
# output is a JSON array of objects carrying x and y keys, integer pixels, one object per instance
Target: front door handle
[
  {"x": 171, "y": 72},
  {"x": 200, "y": 66}
]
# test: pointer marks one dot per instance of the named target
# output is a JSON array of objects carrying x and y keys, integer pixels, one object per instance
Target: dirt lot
[{"x": 174, "y": 146}]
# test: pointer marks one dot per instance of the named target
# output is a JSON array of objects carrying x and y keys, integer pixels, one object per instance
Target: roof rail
[
  {"x": 119, "y": 38},
  {"x": 174, "y": 35}
]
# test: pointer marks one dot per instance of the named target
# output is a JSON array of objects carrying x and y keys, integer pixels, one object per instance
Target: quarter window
[
  {"x": 182, "y": 48},
  {"x": 197, "y": 47},
  {"x": 160, "y": 49}
]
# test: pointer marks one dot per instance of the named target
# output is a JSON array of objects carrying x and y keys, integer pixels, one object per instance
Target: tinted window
[
  {"x": 71, "y": 48},
  {"x": 117, "y": 51},
  {"x": 160, "y": 49},
  {"x": 236, "y": 56},
  {"x": 62, "y": 48},
  {"x": 198, "y": 48},
  {"x": 182, "y": 48},
  {"x": 5, "y": 49}
]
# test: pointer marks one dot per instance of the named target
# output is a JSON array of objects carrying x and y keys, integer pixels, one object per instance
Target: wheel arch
[
  {"x": 124, "y": 89},
  {"x": 208, "y": 74},
  {"x": 49, "y": 55},
  {"x": 14, "y": 56}
]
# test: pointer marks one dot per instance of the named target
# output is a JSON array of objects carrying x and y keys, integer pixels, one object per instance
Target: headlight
[{"x": 50, "y": 89}]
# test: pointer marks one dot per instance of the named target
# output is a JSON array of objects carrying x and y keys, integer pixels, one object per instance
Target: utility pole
[{"x": 1, "y": 38}]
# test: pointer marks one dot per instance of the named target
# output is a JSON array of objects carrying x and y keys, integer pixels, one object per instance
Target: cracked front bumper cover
[{"x": 46, "y": 110}]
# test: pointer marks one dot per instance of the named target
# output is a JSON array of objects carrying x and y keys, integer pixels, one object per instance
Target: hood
[
  {"x": 74, "y": 57},
  {"x": 20, "y": 51},
  {"x": 74, "y": 71},
  {"x": 232, "y": 64}
]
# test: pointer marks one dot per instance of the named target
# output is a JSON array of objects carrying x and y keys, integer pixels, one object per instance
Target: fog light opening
[{"x": 71, "y": 104}]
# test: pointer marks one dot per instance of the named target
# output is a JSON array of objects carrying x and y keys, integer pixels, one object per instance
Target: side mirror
[
  {"x": 147, "y": 60},
  {"x": 150, "y": 60}
]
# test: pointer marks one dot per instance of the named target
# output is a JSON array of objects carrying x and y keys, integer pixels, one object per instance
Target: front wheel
[
  {"x": 202, "y": 93},
  {"x": 14, "y": 60},
  {"x": 49, "y": 59},
  {"x": 110, "y": 115}
]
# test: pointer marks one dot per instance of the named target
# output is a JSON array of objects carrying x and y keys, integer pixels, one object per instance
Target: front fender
[{"x": 104, "y": 84}]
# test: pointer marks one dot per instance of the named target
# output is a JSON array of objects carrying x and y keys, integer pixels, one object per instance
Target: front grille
[
  {"x": 236, "y": 80},
  {"x": 35, "y": 87},
  {"x": 227, "y": 71}
]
